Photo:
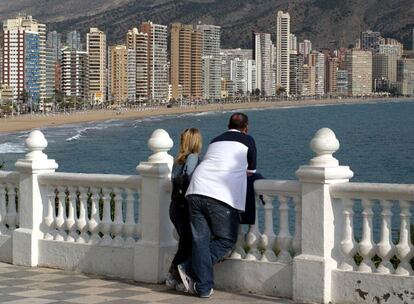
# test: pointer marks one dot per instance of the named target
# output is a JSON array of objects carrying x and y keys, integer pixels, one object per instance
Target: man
[{"x": 216, "y": 195}]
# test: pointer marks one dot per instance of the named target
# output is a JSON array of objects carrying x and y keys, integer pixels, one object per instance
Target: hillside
[{"x": 321, "y": 21}]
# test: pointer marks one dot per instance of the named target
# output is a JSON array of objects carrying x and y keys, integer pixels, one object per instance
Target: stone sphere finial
[
  {"x": 160, "y": 143},
  {"x": 36, "y": 143},
  {"x": 324, "y": 144}
]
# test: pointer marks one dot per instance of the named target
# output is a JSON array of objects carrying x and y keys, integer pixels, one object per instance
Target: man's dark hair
[{"x": 238, "y": 121}]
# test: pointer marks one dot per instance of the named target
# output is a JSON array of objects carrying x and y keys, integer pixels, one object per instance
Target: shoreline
[{"x": 39, "y": 121}]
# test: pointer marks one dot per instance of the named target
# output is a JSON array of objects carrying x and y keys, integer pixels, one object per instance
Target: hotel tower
[
  {"x": 282, "y": 50},
  {"x": 96, "y": 49},
  {"x": 186, "y": 63}
]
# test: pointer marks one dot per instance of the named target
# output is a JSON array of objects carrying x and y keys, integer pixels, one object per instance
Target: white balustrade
[
  {"x": 130, "y": 226},
  {"x": 93, "y": 223},
  {"x": 105, "y": 225},
  {"x": 366, "y": 246},
  {"x": 82, "y": 221},
  {"x": 3, "y": 209},
  {"x": 9, "y": 184},
  {"x": 348, "y": 247},
  {"x": 86, "y": 197},
  {"x": 284, "y": 238},
  {"x": 252, "y": 241},
  {"x": 70, "y": 221},
  {"x": 262, "y": 245},
  {"x": 268, "y": 237},
  {"x": 12, "y": 220},
  {"x": 102, "y": 209},
  {"x": 239, "y": 252},
  {"x": 49, "y": 220},
  {"x": 61, "y": 215},
  {"x": 118, "y": 224},
  {"x": 297, "y": 239},
  {"x": 386, "y": 248},
  {"x": 404, "y": 249}
]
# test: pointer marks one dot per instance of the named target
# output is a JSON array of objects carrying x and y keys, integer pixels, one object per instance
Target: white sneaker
[
  {"x": 180, "y": 287},
  {"x": 208, "y": 295},
  {"x": 187, "y": 280},
  {"x": 170, "y": 282}
]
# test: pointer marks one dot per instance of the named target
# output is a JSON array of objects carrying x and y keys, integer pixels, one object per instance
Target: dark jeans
[
  {"x": 180, "y": 218},
  {"x": 214, "y": 229}
]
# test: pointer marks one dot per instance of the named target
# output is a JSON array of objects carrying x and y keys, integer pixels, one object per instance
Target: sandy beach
[{"x": 38, "y": 121}]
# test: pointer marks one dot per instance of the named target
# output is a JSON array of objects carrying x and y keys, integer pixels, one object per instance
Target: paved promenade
[{"x": 42, "y": 285}]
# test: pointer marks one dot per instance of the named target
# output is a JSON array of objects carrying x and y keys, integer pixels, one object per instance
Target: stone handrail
[
  {"x": 9, "y": 177},
  {"x": 373, "y": 191},
  {"x": 278, "y": 187},
  {"x": 91, "y": 180}
]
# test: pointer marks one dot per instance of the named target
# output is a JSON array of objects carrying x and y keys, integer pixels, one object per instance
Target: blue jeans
[{"x": 214, "y": 227}]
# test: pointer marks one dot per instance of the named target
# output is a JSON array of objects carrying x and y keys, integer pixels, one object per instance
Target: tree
[
  {"x": 24, "y": 98},
  {"x": 257, "y": 92},
  {"x": 281, "y": 91}
]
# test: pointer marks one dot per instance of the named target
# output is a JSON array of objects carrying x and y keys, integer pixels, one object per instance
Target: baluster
[
  {"x": 348, "y": 247},
  {"x": 284, "y": 238},
  {"x": 366, "y": 246},
  {"x": 118, "y": 224},
  {"x": 106, "y": 223},
  {"x": 238, "y": 252},
  {"x": 3, "y": 210},
  {"x": 61, "y": 216},
  {"x": 94, "y": 222},
  {"x": 404, "y": 249},
  {"x": 252, "y": 240},
  {"x": 49, "y": 220},
  {"x": 386, "y": 248},
  {"x": 297, "y": 239},
  {"x": 138, "y": 226},
  {"x": 129, "y": 227},
  {"x": 70, "y": 221},
  {"x": 11, "y": 210},
  {"x": 81, "y": 222},
  {"x": 268, "y": 237}
]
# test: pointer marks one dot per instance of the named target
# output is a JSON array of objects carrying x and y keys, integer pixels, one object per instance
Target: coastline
[{"x": 38, "y": 121}]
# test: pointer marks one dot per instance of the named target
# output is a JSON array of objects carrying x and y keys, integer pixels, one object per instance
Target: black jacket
[{"x": 249, "y": 214}]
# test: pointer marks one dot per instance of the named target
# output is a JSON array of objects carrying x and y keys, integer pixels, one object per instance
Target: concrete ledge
[
  {"x": 358, "y": 287},
  {"x": 105, "y": 260},
  {"x": 273, "y": 279},
  {"x": 6, "y": 249}
]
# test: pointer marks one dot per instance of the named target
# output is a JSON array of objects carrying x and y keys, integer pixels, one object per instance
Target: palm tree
[{"x": 281, "y": 91}]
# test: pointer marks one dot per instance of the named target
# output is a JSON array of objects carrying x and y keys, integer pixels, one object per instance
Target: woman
[{"x": 184, "y": 166}]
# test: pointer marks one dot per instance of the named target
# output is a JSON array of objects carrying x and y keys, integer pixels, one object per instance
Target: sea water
[{"x": 377, "y": 141}]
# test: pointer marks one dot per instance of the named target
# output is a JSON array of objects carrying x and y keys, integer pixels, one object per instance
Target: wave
[
  {"x": 96, "y": 126},
  {"x": 75, "y": 137},
  {"x": 203, "y": 113},
  {"x": 9, "y": 147}
]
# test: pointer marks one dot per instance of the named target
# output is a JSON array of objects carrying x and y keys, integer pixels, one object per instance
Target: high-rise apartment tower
[{"x": 282, "y": 50}]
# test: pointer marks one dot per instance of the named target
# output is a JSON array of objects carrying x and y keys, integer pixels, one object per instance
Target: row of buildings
[
  {"x": 38, "y": 66},
  {"x": 373, "y": 65}
]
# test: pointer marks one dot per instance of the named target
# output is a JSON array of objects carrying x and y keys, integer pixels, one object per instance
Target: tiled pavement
[{"x": 43, "y": 285}]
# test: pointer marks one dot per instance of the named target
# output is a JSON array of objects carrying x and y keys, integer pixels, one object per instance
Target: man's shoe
[
  {"x": 206, "y": 295},
  {"x": 170, "y": 281},
  {"x": 180, "y": 287},
  {"x": 187, "y": 280}
]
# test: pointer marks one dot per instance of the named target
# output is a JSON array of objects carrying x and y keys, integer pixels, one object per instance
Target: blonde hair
[{"x": 191, "y": 142}]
